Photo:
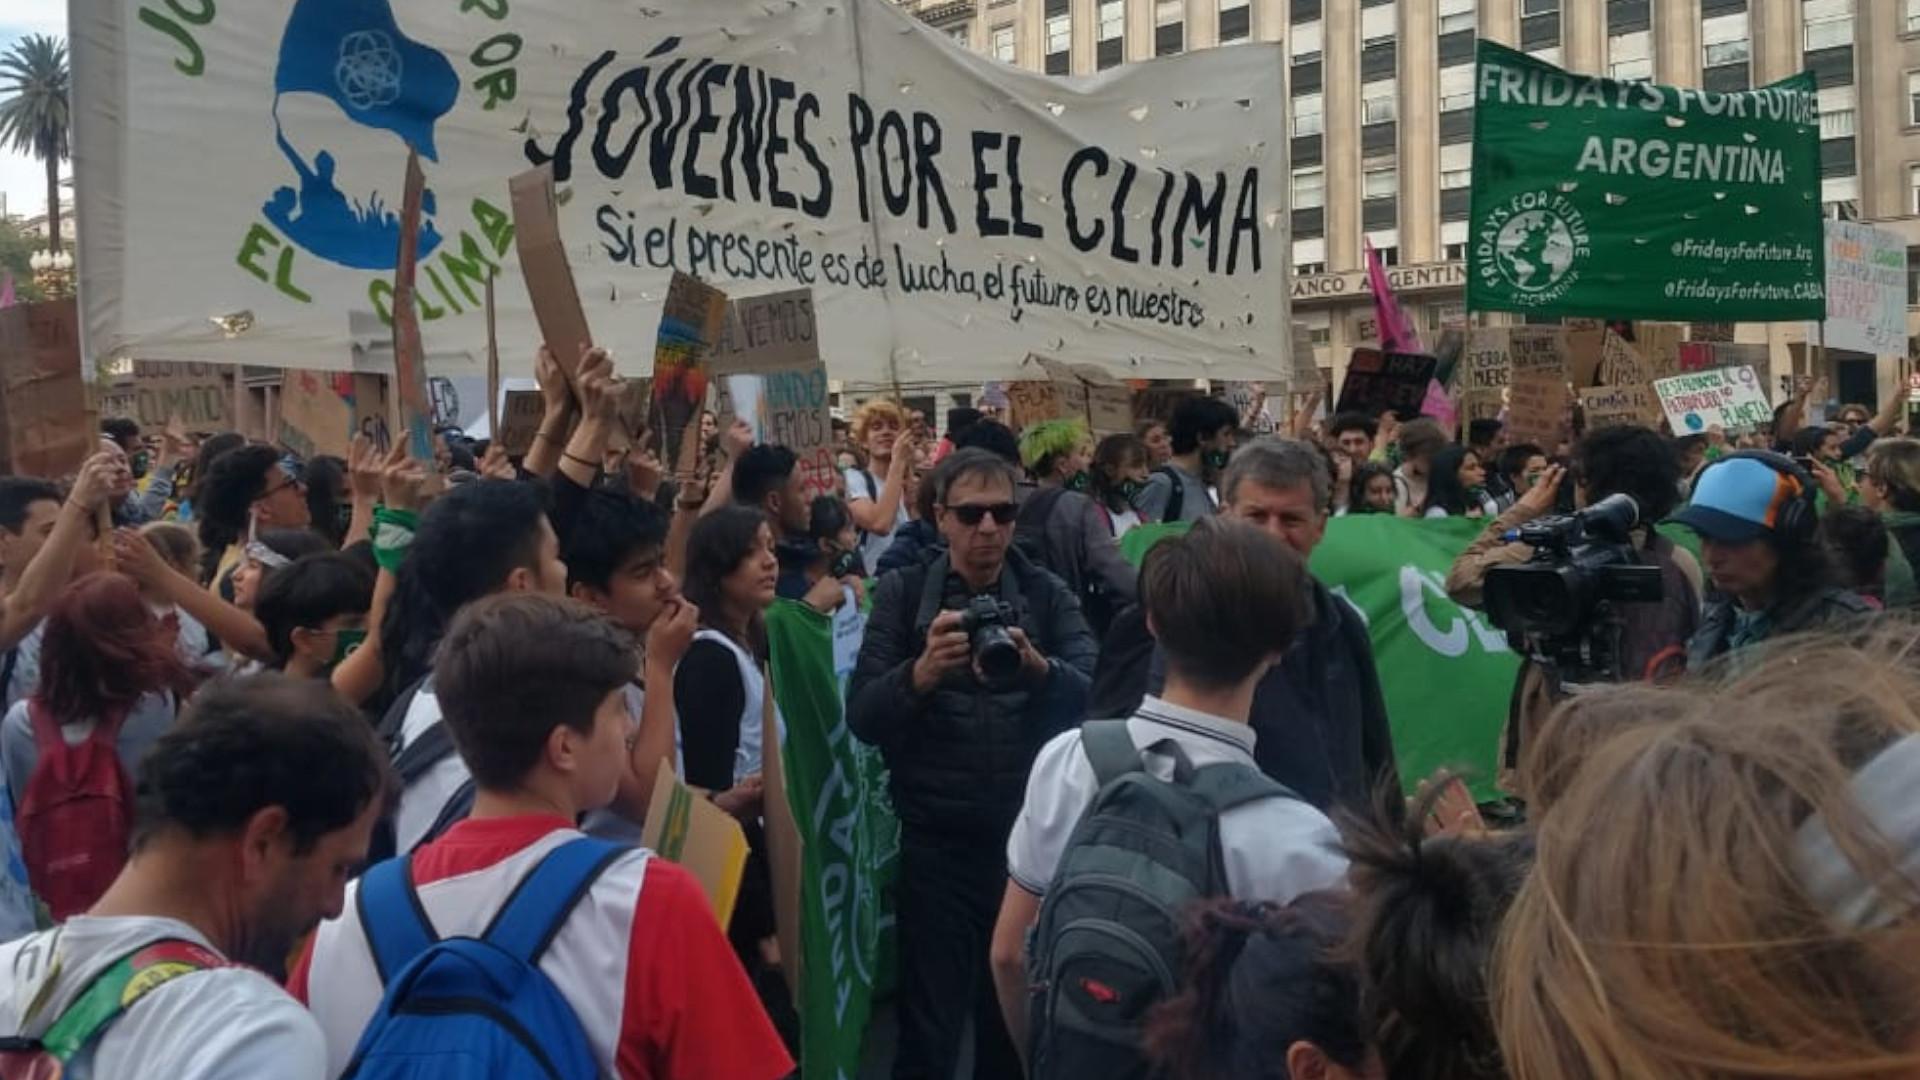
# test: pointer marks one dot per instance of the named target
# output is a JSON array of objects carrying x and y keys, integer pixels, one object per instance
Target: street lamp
[{"x": 53, "y": 272}]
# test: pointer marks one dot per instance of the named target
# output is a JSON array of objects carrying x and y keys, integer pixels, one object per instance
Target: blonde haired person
[
  {"x": 1733, "y": 891},
  {"x": 876, "y": 494},
  {"x": 1891, "y": 487}
]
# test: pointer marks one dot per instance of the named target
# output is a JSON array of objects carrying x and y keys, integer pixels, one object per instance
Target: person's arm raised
[
  {"x": 364, "y": 469},
  {"x": 734, "y": 444},
  {"x": 599, "y": 404},
  {"x": 52, "y": 566},
  {"x": 236, "y": 629},
  {"x": 879, "y": 514},
  {"x": 360, "y": 675},
  {"x": 557, "y": 416}
]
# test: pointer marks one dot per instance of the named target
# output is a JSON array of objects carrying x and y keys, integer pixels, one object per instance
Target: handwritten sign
[
  {"x": 1866, "y": 289},
  {"x": 1732, "y": 399},
  {"x": 50, "y": 428},
  {"x": 157, "y": 391},
  {"x": 1619, "y": 406},
  {"x": 1659, "y": 344},
  {"x": 1620, "y": 364},
  {"x": 1071, "y": 392},
  {"x": 795, "y": 414},
  {"x": 775, "y": 332},
  {"x": 520, "y": 414},
  {"x": 1537, "y": 409},
  {"x": 689, "y": 325},
  {"x": 1378, "y": 382},
  {"x": 315, "y": 415},
  {"x": 1537, "y": 351}
]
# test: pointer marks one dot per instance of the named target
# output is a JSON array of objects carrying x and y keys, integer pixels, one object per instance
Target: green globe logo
[{"x": 1534, "y": 250}]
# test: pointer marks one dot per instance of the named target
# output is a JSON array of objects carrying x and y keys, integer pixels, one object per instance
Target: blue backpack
[{"x": 470, "y": 1008}]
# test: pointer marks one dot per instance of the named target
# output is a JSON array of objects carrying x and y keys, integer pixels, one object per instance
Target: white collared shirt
[{"x": 1275, "y": 849}]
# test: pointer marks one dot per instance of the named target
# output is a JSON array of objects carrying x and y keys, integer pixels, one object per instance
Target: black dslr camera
[
  {"x": 994, "y": 653},
  {"x": 1560, "y": 607}
]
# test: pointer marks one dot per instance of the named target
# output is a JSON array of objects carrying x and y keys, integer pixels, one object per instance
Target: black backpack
[
  {"x": 1031, "y": 536},
  {"x": 1177, "y": 501},
  {"x": 1106, "y": 947}
]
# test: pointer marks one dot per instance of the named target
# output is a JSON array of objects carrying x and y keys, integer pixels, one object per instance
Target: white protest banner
[
  {"x": 1866, "y": 289},
  {"x": 240, "y": 172},
  {"x": 1732, "y": 399}
]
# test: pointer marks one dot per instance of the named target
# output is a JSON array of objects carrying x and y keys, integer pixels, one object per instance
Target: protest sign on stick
[
  {"x": 1659, "y": 344},
  {"x": 544, "y": 267},
  {"x": 493, "y": 363},
  {"x": 409, "y": 354},
  {"x": 315, "y": 417},
  {"x": 1618, "y": 406},
  {"x": 1380, "y": 381},
  {"x": 157, "y": 391},
  {"x": 1731, "y": 399},
  {"x": 1485, "y": 369},
  {"x": 1537, "y": 410},
  {"x": 520, "y": 416},
  {"x": 1866, "y": 289},
  {"x": 689, "y": 325},
  {"x": 49, "y": 422},
  {"x": 772, "y": 332}
]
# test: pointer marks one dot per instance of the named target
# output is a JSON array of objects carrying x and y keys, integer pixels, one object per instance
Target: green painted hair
[{"x": 1043, "y": 442}]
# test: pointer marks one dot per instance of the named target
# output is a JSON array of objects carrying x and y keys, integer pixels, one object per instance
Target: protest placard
[
  {"x": 1732, "y": 399},
  {"x": 1156, "y": 403},
  {"x": 683, "y": 827},
  {"x": 1071, "y": 392},
  {"x": 689, "y": 325},
  {"x": 156, "y": 391},
  {"x": 1578, "y": 184},
  {"x": 493, "y": 362},
  {"x": 775, "y": 332},
  {"x": 520, "y": 414},
  {"x": 544, "y": 266},
  {"x": 315, "y": 415},
  {"x": 1618, "y": 406},
  {"x": 1378, "y": 382},
  {"x": 1659, "y": 345},
  {"x": 49, "y": 420},
  {"x": 795, "y": 413},
  {"x": 1537, "y": 409},
  {"x": 1620, "y": 363},
  {"x": 1537, "y": 350},
  {"x": 409, "y": 353},
  {"x": 1866, "y": 289},
  {"x": 1485, "y": 369}
]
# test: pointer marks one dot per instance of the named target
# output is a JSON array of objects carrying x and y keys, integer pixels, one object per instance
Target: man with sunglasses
[{"x": 959, "y": 746}]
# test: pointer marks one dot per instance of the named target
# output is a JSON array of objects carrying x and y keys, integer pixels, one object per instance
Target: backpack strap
[
  {"x": 1110, "y": 750},
  {"x": 1176, "y": 502},
  {"x": 430, "y": 749},
  {"x": 527, "y": 922},
  {"x": 1230, "y": 784},
  {"x": 11, "y": 664},
  {"x": 392, "y": 917},
  {"x": 118, "y": 988}
]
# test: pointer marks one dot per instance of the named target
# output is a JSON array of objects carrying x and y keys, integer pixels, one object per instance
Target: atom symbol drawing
[{"x": 368, "y": 72}]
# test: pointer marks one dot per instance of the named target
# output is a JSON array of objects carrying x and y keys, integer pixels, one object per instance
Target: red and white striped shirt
[{"x": 641, "y": 960}]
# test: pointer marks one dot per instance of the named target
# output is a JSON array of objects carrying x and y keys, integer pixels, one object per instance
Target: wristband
[{"x": 392, "y": 535}]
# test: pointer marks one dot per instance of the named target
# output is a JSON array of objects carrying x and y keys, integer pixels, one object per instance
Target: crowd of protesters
[{"x": 285, "y": 723}]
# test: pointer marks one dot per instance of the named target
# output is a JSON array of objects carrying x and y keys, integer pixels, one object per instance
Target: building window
[
  {"x": 1913, "y": 189},
  {"x": 1303, "y": 43},
  {"x": 1306, "y": 115},
  {"x": 962, "y": 36},
  {"x": 1386, "y": 241},
  {"x": 1059, "y": 34},
  {"x": 1913, "y": 97},
  {"x": 1003, "y": 44},
  {"x": 1836, "y": 112},
  {"x": 1379, "y": 101},
  {"x": 1377, "y": 24},
  {"x": 1113, "y": 20},
  {"x": 1453, "y": 240},
  {"x": 1458, "y": 15},
  {"x": 1829, "y": 23},
  {"x": 1236, "y": 21},
  {"x": 1724, "y": 40},
  {"x": 1309, "y": 188},
  {"x": 1627, "y": 16},
  {"x": 1913, "y": 16},
  {"x": 1169, "y": 27},
  {"x": 1380, "y": 181},
  {"x": 1630, "y": 56},
  {"x": 1456, "y": 166},
  {"x": 1456, "y": 87},
  {"x": 1539, "y": 7},
  {"x": 1840, "y": 198}
]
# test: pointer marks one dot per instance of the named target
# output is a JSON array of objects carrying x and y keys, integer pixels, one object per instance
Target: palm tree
[{"x": 35, "y": 117}]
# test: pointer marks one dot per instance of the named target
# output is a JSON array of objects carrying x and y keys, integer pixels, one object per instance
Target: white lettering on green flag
[
  {"x": 1598, "y": 197},
  {"x": 838, "y": 789}
]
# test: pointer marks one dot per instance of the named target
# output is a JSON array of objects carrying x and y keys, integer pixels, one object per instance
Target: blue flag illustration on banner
[{"x": 353, "y": 53}]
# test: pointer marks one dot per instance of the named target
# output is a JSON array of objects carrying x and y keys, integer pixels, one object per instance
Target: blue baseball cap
[{"x": 1738, "y": 500}]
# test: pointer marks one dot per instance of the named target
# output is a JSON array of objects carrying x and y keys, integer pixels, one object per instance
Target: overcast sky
[{"x": 22, "y": 178}]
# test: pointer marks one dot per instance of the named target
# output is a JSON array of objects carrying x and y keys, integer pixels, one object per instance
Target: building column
[
  {"x": 1086, "y": 31},
  {"x": 1500, "y": 21},
  {"x": 1270, "y": 20},
  {"x": 1203, "y": 24},
  {"x": 1030, "y": 48},
  {"x": 1880, "y": 96},
  {"x": 1775, "y": 25},
  {"x": 1583, "y": 36},
  {"x": 1676, "y": 42},
  {"x": 1340, "y": 53},
  {"x": 1139, "y": 30},
  {"x": 1419, "y": 76}
]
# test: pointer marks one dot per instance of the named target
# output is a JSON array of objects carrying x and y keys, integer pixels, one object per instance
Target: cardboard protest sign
[
  {"x": 1637, "y": 236},
  {"x": 1620, "y": 363},
  {"x": 1537, "y": 350},
  {"x": 633, "y": 415},
  {"x": 1537, "y": 410},
  {"x": 1584, "y": 350},
  {"x": 49, "y": 420},
  {"x": 1156, "y": 403},
  {"x": 683, "y": 827},
  {"x": 544, "y": 265},
  {"x": 1866, "y": 289},
  {"x": 1619, "y": 406},
  {"x": 1732, "y": 399},
  {"x": 689, "y": 325},
  {"x": 775, "y": 332},
  {"x": 1710, "y": 331},
  {"x": 1659, "y": 344},
  {"x": 373, "y": 410},
  {"x": 794, "y": 413},
  {"x": 520, "y": 416},
  {"x": 1485, "y": 368},
  {"x": 1071, "y": 392},
  {"x": 493, "y": 362},
  {"x": 157, "y": 391},
  {"x": 951, "y": 213},
  {"x": 315, "y": 415},
  {"x": 1379, "y": 382},
  {"x": 409, "y": 354}
]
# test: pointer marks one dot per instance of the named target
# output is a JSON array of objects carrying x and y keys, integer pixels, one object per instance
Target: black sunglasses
[{"x": 972, "y": 515}]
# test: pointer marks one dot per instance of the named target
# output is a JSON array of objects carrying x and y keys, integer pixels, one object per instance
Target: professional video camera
[
  {"x": 986, "y": 621},
  {"x": 1560, "y": 607}
]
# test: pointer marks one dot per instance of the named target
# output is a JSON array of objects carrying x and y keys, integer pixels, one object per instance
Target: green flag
[
  {"x": 838, "y": 789},
  {"x": 1626, "y": 200}
]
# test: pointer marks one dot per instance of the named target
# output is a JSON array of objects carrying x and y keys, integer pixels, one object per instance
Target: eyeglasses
[
  {"x": 290, "y": 482},
  {"x": 973, "y": 515}
]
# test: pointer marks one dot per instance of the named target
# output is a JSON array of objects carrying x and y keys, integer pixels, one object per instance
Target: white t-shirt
[
  {"x": 223, "y": 1024},
  {"x": 1275, "y": 849},
  {"x": 875, "y": 545},
  {"x": 1124, "y": 521}
]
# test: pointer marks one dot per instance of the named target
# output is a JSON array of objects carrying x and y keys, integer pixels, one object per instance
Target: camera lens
[{"x": 996, "y": 655}]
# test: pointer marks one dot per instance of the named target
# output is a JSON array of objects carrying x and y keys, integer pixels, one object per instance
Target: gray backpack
[{"x": 1106, "y": 947}]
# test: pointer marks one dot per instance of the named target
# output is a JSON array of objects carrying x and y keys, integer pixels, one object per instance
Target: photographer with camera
[
  {"x": 971, "y": 662},
  {"x": 1760, "y": 534},
  {"x": 1637, "y": 640}
]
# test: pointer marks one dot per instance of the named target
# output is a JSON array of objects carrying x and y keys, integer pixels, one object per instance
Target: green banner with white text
[
  {"x": 1626, "y": 200},
  {"x": 838, "y": 790},
  {"x": 1447, "y": 673}
]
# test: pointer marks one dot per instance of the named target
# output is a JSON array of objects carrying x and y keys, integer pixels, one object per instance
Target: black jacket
[
  {"x": 1319, "y": 720},
  {"x": 959, "y": 757},
  {"x": 1821, "y": 608},
  {"x": 913, "y": 543}
]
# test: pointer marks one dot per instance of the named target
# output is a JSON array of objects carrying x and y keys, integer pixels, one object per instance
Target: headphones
[{"x": 1799, "y": 519}]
